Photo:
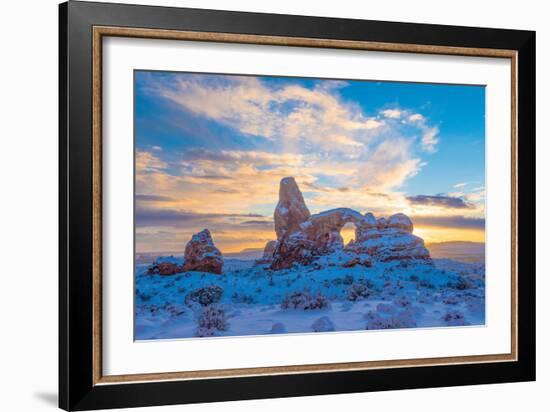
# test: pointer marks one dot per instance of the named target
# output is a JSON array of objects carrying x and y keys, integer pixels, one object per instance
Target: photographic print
[{"x": 278, "y": 205}]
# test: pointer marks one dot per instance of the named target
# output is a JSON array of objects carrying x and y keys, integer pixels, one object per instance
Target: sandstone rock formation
[
  {"x": 269, "y": 249},
  {"x": 301, "y": 237},
  {"x": 201, "y": 255},
  {"x": 291, "y": 210}
]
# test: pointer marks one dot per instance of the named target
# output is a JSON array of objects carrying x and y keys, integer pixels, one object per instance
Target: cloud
[
  {"x": 460, "y": 185},
  {"x": 171, "y": 229},
  {"x": 416, "y": 117},
  {"x": 429, "y": 134},
  {"x": 148, "y": 162},
  {"x": 390, "y": 165},
  {"x": 290, "y": 111},
  {"x": 340, "y": 155},
  {"x": 255, "y": 157},
  {"x": 449, "y": 202},
  {"x": 430, "y": 138},
  {"x": 457, "y": 222},
  {"x": 177, "y": 218},
  {"x": 265, "y": 223},
  {"x": 153, "y": 198},
  {"x": 392, "y": 113}
]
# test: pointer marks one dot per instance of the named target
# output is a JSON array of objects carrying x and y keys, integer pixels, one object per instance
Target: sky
[{"x": 210, "y": 151}]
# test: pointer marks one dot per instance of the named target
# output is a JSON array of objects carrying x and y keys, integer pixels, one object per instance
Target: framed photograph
[{"x": 257, "y": 205}]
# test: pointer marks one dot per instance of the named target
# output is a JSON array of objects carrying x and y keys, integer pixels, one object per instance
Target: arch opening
[{"x": 348, "y": 233}]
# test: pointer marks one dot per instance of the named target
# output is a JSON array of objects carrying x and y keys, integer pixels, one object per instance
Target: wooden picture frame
[{"x": 83, "y": 26}]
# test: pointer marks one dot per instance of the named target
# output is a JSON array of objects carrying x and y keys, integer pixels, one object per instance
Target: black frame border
[{"x": 76, "y": 387}]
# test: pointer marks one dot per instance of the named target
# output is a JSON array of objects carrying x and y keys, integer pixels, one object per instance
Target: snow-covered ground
[{"x": 248, "y": 299}]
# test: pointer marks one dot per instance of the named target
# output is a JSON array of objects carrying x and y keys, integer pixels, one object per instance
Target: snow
[{"x": 387, "y": 295}]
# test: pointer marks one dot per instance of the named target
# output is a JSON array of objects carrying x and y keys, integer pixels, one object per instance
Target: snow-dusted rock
[
  {"x": 391, "y": 239},
  {"x": 296, "y": 248},
  {"x": 164, "y": 268},
  {"x": 369, "y": 220},
  {"x": 291, "y": 209},
  {"x": 323, "y": 324},
  {"x": 401, "y": 221},
  {"x": 201, "y": 255},
  {"x": 303, "y": 238},
  {"x": 269, "y": 249},
  {"x": 324, "y": 228}
]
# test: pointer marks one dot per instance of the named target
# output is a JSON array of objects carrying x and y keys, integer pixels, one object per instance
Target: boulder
[
  {"x": 164, "y": 268},
  {"x": 323, "y": 324},
  {"x": 401, "y": 221},
  {"x": 295, "y": 248},
  {"x": 291, "y": 210},
  {"x": 269, "y": 249},
  {"x": 201, "y": 255}
]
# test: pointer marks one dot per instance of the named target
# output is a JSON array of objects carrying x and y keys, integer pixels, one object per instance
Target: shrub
[
  {"x": 204, "y": 296},
  {"x": 399, "y": 320},
  {"x": 358, "y": 291},
  {"x": 402, "y": 301},
  {"x": 211, "y": 320},
  {"x": 385, "y": 308},
  {"x": 450, "y": 299},
  {"x": 305, "y": 301},
  {"x": 348, "y": 280},
  {"x": 454, "y": 318},
  {"x": 242, "y": 298}
]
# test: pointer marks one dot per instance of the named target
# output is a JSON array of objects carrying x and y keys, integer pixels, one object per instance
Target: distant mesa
[{"x": 302, "y": 237}]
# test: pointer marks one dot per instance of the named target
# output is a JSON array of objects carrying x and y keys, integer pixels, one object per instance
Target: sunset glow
[{"x": 212, "y": 149}]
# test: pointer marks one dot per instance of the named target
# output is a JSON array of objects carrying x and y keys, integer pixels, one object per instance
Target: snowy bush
[
  {"x": 358, "y": 291},
  {"x": 398, "y": 320},
  {"x": 305, "y": 301},
  {"x": 463, "y": 284},
  {"x": 204, "y": 296},
  {"x": 211, "y": 320},
  {"x": 454, "y": 318},
  {"x": 385, "y": 308},
  {"x": 425, "y": 297},
  {"x": 450, "y": 299},
  {"x": 242, "y": 298},
  {"x": 375, "y": 321},
  {"x": 403, "y": 319},
  {"x": 402, "y": 301},
  {"x": 323, "y": 324}
]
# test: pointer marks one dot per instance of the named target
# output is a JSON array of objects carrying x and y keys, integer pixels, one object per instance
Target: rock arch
[{"x": 302, "y": 237}]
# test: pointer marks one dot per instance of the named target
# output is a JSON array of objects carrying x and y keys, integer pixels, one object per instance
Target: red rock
[
  {"x": 291, "y": 210},
  {"x": 269, "y": 249},
  {"x": 201, "y": 255},
  {"x": 164, "y": 268},
  {"x": 303, "y": 237}
]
